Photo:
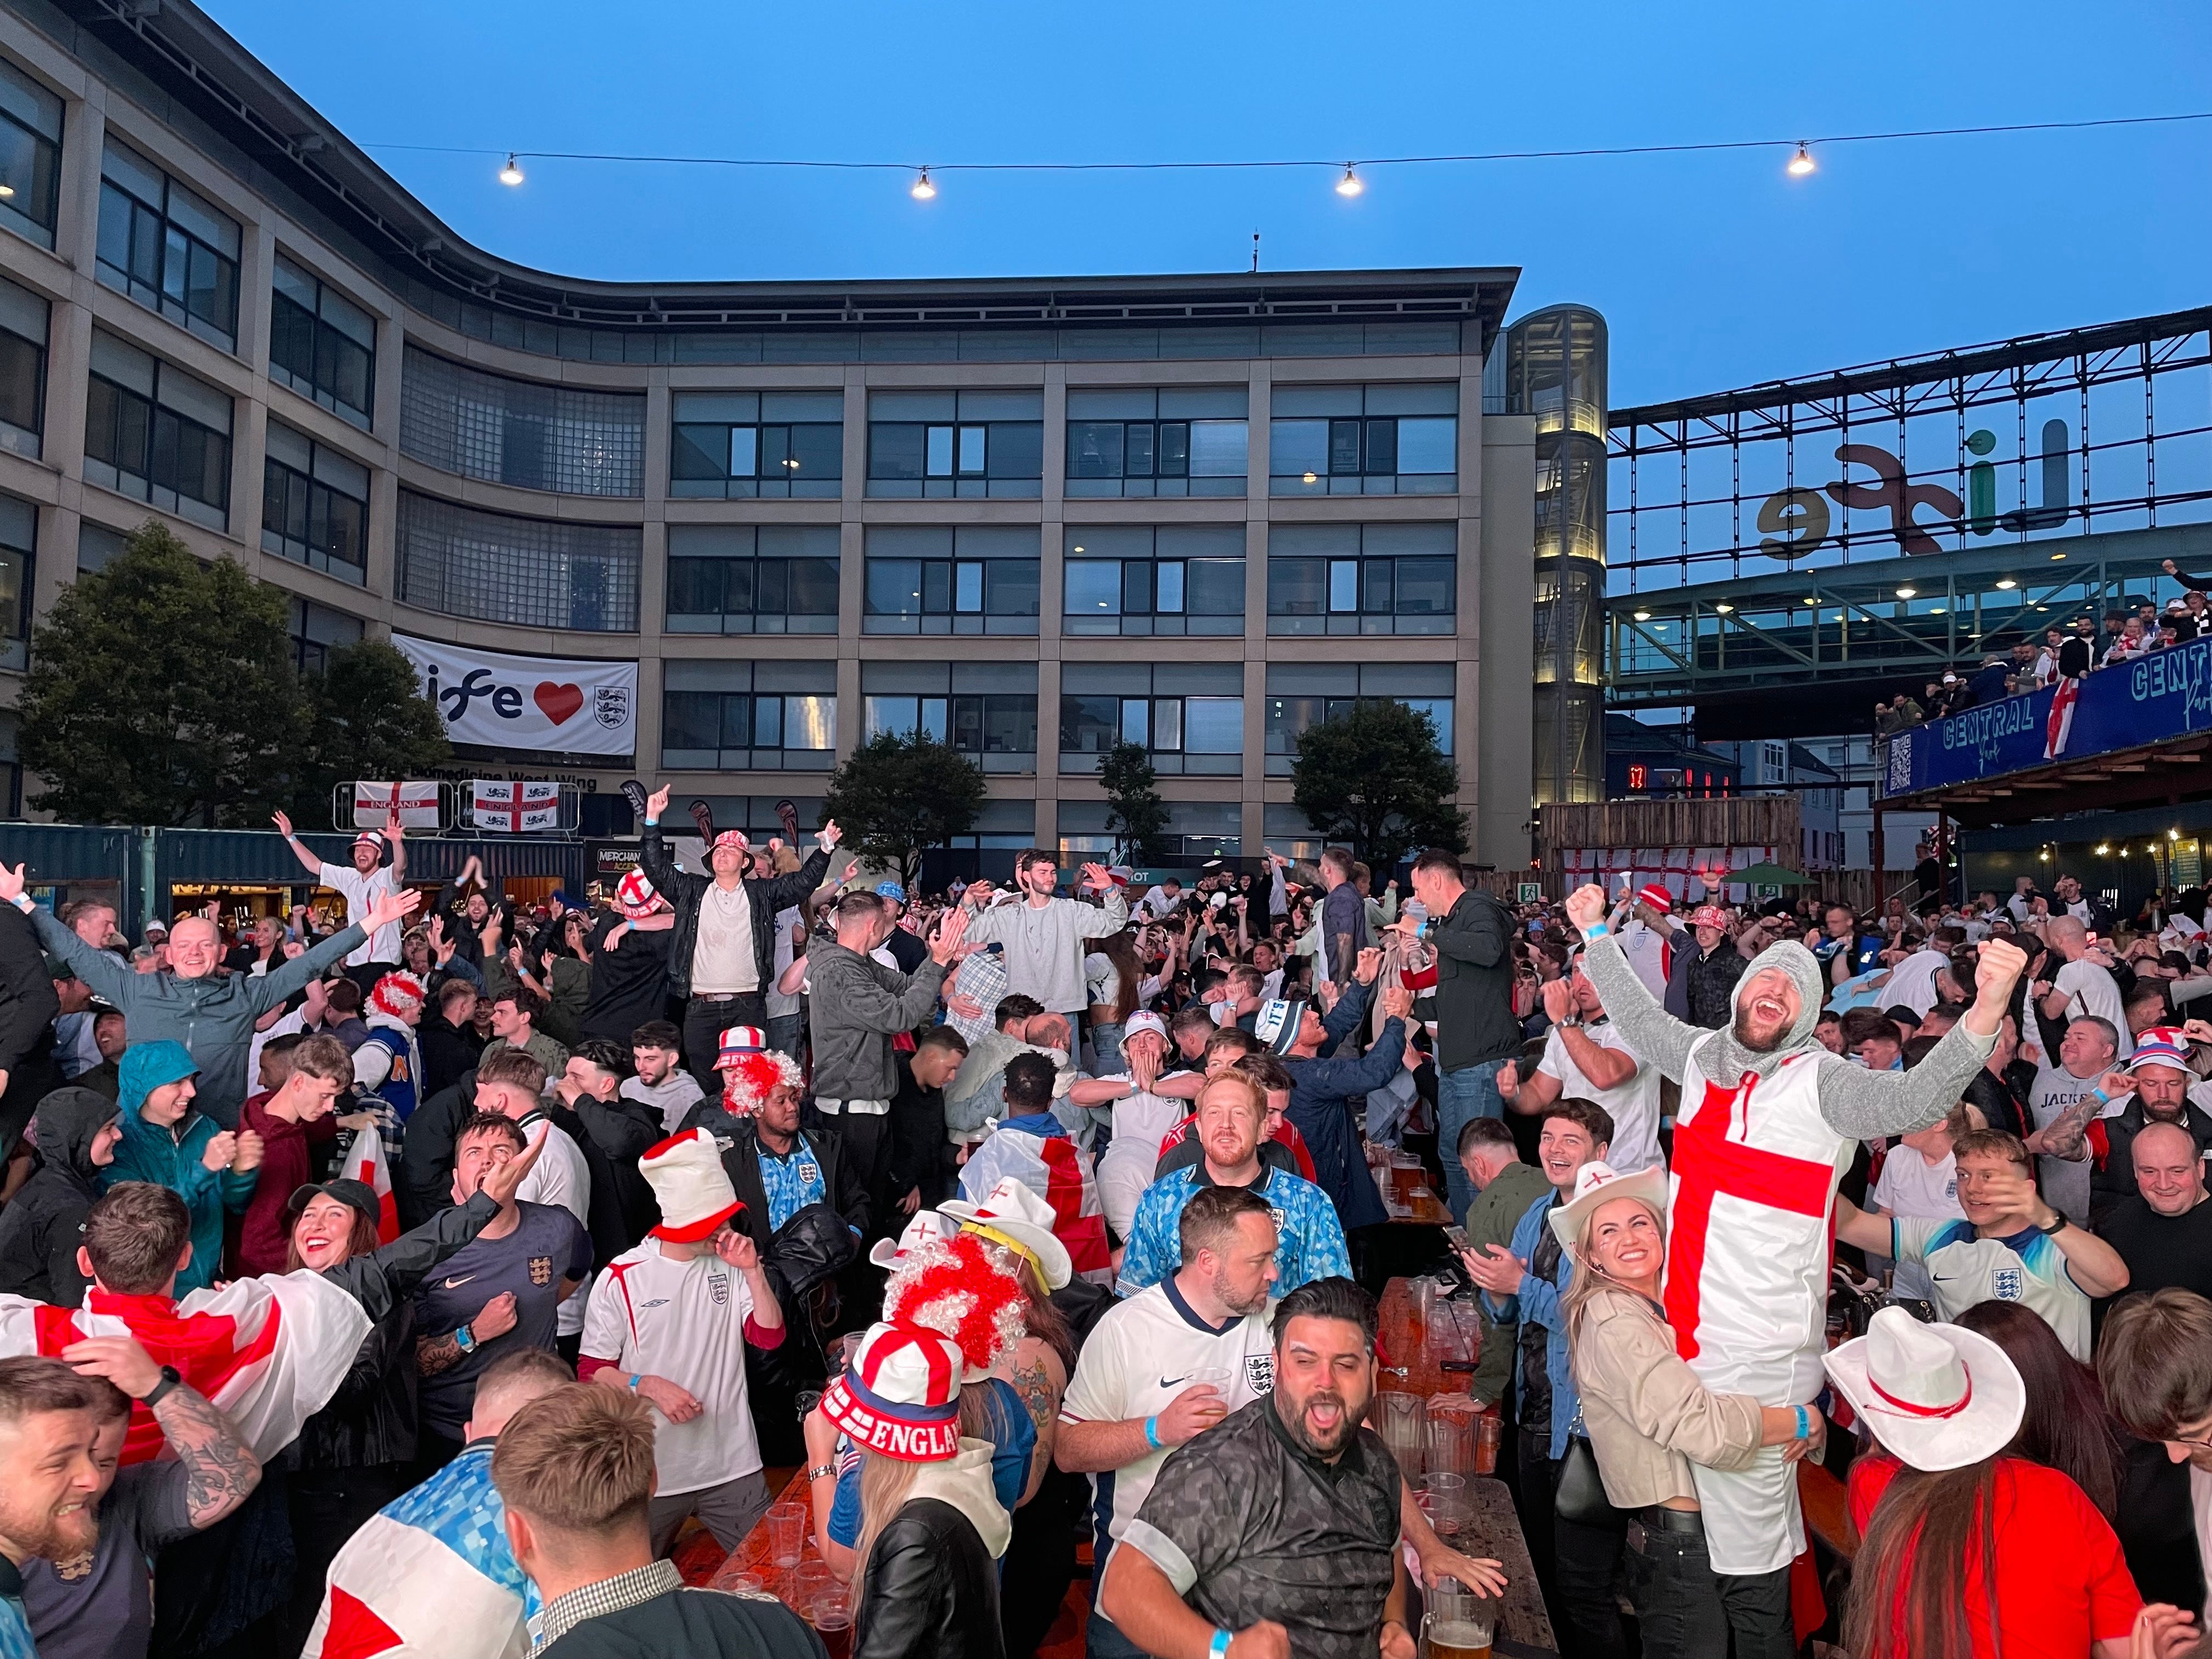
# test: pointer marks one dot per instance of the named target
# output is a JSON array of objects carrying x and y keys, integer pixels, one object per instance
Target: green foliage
[
  {"x": 1374, "y": 780},
  {"x": 896, "y": 796},
  {"x": 367, "y": 718},
  {"x": 161, "y": 691},
  {"x": 1135, "y": 814}
]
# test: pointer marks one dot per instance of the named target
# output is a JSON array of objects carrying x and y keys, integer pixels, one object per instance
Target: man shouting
[{"x": 1767, "y": 1124}]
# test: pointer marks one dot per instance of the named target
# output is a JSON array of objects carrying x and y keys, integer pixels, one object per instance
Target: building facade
[{"x": 1030, "y": 517}]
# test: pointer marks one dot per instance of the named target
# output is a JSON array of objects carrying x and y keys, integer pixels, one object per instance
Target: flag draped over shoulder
[
  {"x": 1058, "y": 1171},
  {"x": 365, "y": 1162},
  {"x": 271, "y": 1352}
]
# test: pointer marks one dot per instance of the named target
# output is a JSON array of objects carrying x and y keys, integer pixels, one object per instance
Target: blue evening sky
[{"x": 1713, "y": 270}]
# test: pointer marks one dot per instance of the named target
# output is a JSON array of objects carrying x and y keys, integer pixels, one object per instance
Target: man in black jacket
[
  {"x": 710, "y": 964},
  {"x": 27, "y": 1008},
  {"x": 622, "y": 1131},
  {"x": 1476, "y": 1032},
  {"x": 448, "y": 1036},
  {"x": 38, "y": 1230}
]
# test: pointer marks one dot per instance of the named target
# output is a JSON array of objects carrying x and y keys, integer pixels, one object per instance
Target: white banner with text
[{"x": 555, "y": 704}]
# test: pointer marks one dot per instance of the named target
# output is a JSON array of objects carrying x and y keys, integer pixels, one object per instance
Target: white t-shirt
[
  {"x": 1913, "y": 981},
  {"x": 1633, "y": 1105},
  {"x": 1648, "y": 950},
  {"x": 2090, "y": 990},
  {"x": 2028, "y": 1267},
  {"x": 2064, "y": 1181},
  {"x": 723, "y": 958},
  {"x": 781, "y": 1006},
  {"x": 1910, "y": 1186},
  {"x": 1126, "y": 1168},
  {"x": 561, "y": 1177},
  {"x": 1139, "y": 1357},
  {"x": 684, "y": 1321},
  {"x": 361, "y": 892}
]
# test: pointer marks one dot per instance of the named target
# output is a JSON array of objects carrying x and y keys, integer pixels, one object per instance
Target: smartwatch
[
  {"x": 171, "y": 1378},
  {"x": 2057, "y": 1226}
]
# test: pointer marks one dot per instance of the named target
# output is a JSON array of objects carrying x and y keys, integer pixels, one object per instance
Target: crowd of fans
[
  {"x": 422, "y": 1286},
  {"x": 2068, "y": 650}
]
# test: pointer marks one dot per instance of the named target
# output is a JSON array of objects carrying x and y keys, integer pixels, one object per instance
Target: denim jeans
[
  {"x": 1106, "y": 1046},
  {"x": 1685, "y": 1610},
  {"x": 782, "y": 1031},
  {"x": 1461, "y": 1096}
]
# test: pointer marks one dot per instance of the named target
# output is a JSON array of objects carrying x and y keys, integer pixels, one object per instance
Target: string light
[{"x": 1348, "y": 181}]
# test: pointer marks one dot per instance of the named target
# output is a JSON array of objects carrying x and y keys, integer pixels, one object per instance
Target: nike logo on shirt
[{"x": 455, "y": 1283}]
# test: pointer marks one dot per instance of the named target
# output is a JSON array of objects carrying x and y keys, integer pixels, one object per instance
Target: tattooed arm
[
  {"x": 220, "y": 1469},
  {"x": 1041, "y": 1380},
  {"x": 443, "y": 1351}
]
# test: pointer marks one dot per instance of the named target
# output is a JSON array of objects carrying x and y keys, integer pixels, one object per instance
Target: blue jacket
[
  {"x": 1537, "y": 1303},
  {"x": 1319, "y": 1089},
  {"x": 171, "y": 1158}
]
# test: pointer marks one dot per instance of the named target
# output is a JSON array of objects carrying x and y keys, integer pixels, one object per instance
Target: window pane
[
  {"x": 770, "y": 588},
  {"x": 1343, "y": 447},
  {"x": 1135, "y": 723},
  {"x": 1428, "y": 444},
  {"x": 1215, "y": 587},
  {"x": 1295, "y": 587},
  {"x": 940, "y": 451},
  {"x": 775, "y": 450},
  {"x": 1137, "y": 450},
  {"x": 292, "y": 338},
  {"x": 895, "y": 450},
  {"x": 1295, "y": 448},
  {"x": 745, "y": 451},
  {"x": 1213, "y": 725},
  {"x": 1167, "y": 723},
  {"x": 1383, "y": 446},
  {"x": 691, "y": 720},
  {"x": 1010, "y": 726},
  {"x": 115, "y": 214},
  {"x": 1094, "y": 449},
  {"x": 1136, "y": 588},
  {"x": 933, "y": 718},
  {"x": 1175, "y": 449},
  {"x": 1089, "y": 725},
  {"x": 1169, "y": 594},
  {"x": 810, "y": 722},
  {"x": 768, "y": 722},
  {"x": 348, "y": 543},
  {"x": 1013, "y": 587},
  {"x": 19, "y": 382},
  {"x": 819, "y": 451},
  {"x": 1343, "y": 585},
  {"x": 968, "y": 587},
  {"x": 1219, "y": 449},
  {"x": 350, "y": 371},
  {"x": 896, "y": 715},
  {"x": 1092, "y": 588},
  {"x": 1439, "y": 711},
  {"x": 813, "y": 587},
  {"x": 698, "y": 452},
  {"x": 1016, "y": 450},
  {"x": 1425, "y": 586},
  {"x": 738, "y": 586},
  {"x": 893, "y": 588},
  {"x": 1375, "y": 587}
]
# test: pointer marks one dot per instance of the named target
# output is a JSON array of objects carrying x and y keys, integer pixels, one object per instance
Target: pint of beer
[
  {"x": 1458, "y": 1622},
  {"x": 1458, "y": 1640}
]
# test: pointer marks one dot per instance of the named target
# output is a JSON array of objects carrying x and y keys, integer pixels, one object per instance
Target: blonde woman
[{"x": 1649, "y": 1418}]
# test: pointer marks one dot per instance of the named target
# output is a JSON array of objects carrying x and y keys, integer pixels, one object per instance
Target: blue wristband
[
  {"x": 1804, "y": 1424},
  {"x": 1218, "y": 1648},
  {"x": 1153, "y": 1436},
  {"x": 1596, "y": 930}
]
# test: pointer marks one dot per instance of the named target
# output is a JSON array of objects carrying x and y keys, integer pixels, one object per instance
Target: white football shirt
[{"x": 1633, "y": 1105}]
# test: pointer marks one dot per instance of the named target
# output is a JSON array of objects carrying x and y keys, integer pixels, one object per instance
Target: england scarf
[
  {"x": 271, "y": 1352},
  {"x": 1038, "y": 1152},
  {"x": 431, "y": 1574}
]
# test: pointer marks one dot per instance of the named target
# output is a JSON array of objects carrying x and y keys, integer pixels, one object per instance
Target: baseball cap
[
  {"x": 891, "y": 891},
  {"x": 357, "y": 1195},
  {"x": 1143, "y": 1019}
]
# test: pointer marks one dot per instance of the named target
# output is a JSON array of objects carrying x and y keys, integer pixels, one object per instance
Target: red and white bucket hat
[
  {"x": 638, "y": 897},
  {"x": 900, "y": 1395}
]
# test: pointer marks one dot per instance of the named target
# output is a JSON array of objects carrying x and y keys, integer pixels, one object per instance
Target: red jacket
[{"x": 265, "y": 1235}]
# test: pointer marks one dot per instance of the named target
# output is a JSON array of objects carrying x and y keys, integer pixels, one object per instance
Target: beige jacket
[{"x": 1648, "y": 1415}]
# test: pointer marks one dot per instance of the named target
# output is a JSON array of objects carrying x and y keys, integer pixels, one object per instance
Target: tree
[
  {"x": 1135, "y": 814},
  {"x": 898, "y": 795},
  {"x": 1374, "y": 778},
  {"x": 367, "y": 718},
  {"x": 161, "y": 691}
]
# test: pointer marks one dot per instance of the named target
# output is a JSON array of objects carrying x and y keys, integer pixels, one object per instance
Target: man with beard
[
  {"x": 1279, "y": 1532},
  {"x": 50, "y": 1479},
  {"x": 1768, "y": 1121}
]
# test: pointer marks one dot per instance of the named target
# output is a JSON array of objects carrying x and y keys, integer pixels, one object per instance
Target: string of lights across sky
[{"x": 1347, "y": 174}]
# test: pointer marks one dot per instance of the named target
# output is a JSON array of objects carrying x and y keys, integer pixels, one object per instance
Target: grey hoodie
[
  {"x": 41, "y": 1228},
  {"x": 1855, "y": 1102}
]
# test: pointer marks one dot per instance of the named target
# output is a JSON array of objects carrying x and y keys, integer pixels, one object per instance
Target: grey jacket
[
  {"x": 1044, "y": 944},
  {"x": 856, "y": 1006},
  {"x": 212, "y": 1017}
]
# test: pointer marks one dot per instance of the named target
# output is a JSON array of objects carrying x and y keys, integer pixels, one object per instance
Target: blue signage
[{"x": 2165, "y": 694}]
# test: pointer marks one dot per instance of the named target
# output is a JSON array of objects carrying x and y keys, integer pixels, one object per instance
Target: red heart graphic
[{"x": 557, "y": 702}]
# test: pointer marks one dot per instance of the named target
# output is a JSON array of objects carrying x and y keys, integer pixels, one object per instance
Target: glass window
[
  {"x": 167, "y": 247},
  {"x": 1396, "y": 439},
  {"x": 501, "y": 566},
  {"x": 30, "y": 156},
  {"x": 528, "y": 434},
  {"x": 1190, "y": 717},
  {"x": 23, "y": 317},
  {"x": 739, "y": 716},
  {"x": 316, "y": 631},
  {"x": 930, "y": 580},
  {"x": 1303, "y": 695},
  {"x": 1135, "y": 579},
  {"x": 19, "y": 539},
  {"x": 314, "y": 504},
  {"x": 773, "y": 445},
  {"x": 153, "y": 433},
  {"x": 968, "y": 444},
  {"x": 1177, "y": 441},
  {"x": 735, "y": 579},
  {"x": 1371, "y": 579},
  {"x": 1213, "y": 725},
  {"x": 321, "y": 343}
]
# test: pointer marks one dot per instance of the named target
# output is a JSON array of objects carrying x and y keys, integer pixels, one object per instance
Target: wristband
[
  {"x": 1152, "y": 1435},
  {"x": 1218, "y": 1648},
  {"x": 1804, "y": 1424},
  {"x": 635, "y": 1377},
  {"x": 1595, "y": 931},
  {"x": 2102, "y": 1098},
  {"x": 465, "y": 1339}
]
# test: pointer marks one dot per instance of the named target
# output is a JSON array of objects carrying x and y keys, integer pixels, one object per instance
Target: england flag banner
[
  {"x": 515, "y": 808},
  {"x": 557, "y": 705},
  {"x": 418, "y": 804},
  {"x": 365, "y": 1162}
]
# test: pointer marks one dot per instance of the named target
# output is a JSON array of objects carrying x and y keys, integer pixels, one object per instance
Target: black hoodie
[{"x": 39, "y": 1229}]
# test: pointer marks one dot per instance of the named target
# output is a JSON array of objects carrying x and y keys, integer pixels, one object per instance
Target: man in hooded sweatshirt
[
  {"x": 167, "y": 1143},
  {"x": 78, "y": 1130},
  {"x": 1768, "y": 1124}
]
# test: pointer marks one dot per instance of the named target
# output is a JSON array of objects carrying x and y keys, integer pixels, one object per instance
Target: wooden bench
[{"x": 1827, "y": 1514}]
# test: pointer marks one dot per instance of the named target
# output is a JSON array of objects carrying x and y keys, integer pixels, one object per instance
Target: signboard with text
[{"x": 554, "y": 705}]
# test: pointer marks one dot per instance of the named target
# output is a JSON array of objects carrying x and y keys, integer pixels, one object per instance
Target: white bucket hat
[
  {"x": 1143, "y": 1020},
  {"x": 1013, "y": 1216},
  {"x": 1597, "y": 1183},
  {"x": 1940, "y": 1396}
]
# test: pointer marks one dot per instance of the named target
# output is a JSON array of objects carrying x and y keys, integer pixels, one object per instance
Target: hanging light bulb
[
  {"x": 2007, "y": 584},
  {"x": 1906, "y": 592},
  {"x": 923, "y": 190},
  {"x": 512, "y": 172},
  {"x": 6, "y": 189},
  {"x": 1802, "y": 163},
  {"x": 1349, "y": 184}
]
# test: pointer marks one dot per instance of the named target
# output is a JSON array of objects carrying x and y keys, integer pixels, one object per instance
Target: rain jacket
[
  {"x": 171, "y": 1157},
  {"x": 39, "y": 1229}
]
